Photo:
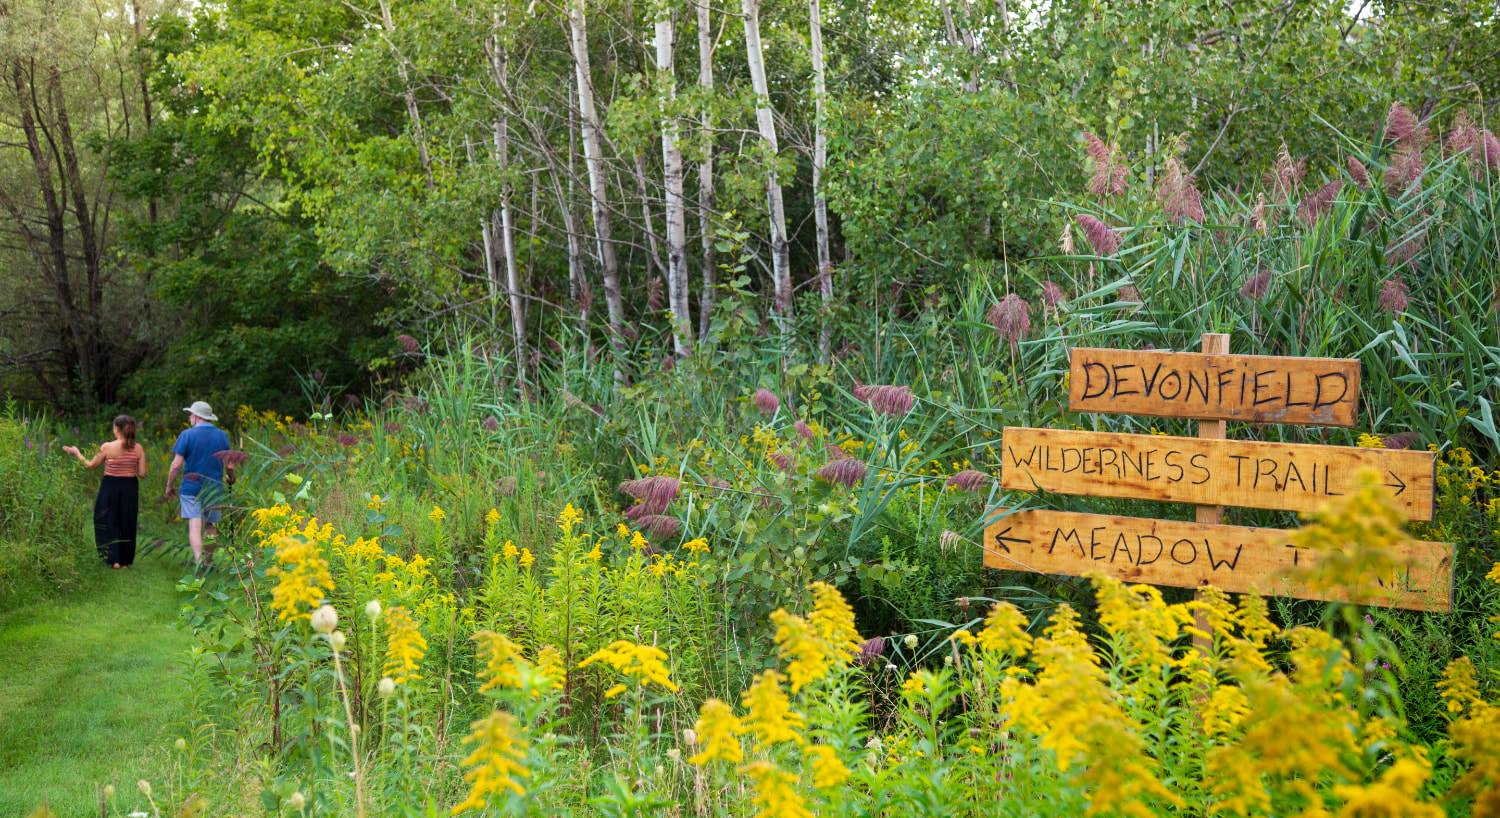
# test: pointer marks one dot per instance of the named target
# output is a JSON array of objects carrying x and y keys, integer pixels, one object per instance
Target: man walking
[{"x": 203, "y": 483}]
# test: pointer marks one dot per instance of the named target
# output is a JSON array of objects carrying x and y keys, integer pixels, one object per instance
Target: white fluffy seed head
[
  {"x": 336, "y": 639},
  {"x": 372, "y": 609},
  {"x": 325, "y": 619},
  {"x": 387, "y": 686}
]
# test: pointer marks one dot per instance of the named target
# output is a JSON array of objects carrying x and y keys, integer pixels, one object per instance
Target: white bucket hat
[{"x": 201, "y": 409}]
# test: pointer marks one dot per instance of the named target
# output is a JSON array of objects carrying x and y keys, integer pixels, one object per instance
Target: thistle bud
[{"x": 325, "y": 619}]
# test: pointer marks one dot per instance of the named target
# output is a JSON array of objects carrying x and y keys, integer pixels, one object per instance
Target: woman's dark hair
[{"x": 126, "y": 425}]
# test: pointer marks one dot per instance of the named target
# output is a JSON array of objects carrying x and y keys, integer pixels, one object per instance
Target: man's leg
[{"x": 195, "y": 538}]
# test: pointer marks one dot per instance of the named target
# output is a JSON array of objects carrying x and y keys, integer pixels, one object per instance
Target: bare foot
[{"x": 118, "y": 566}]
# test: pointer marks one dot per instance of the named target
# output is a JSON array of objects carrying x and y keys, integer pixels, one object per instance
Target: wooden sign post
[{"x": 1208, "y": 471}]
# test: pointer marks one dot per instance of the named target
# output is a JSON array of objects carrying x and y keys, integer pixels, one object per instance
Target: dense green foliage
[{"x": 45, "y": 526}]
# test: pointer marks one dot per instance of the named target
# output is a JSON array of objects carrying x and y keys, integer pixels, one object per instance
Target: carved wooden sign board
[{"x": 1209, "y": 473}]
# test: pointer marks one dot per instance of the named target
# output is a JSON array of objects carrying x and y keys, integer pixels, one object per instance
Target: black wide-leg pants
[{"x": 115, "y": 511}]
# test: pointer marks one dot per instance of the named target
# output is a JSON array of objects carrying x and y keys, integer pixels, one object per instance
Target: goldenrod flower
[
  {"x": 719, "y": 729},
  {"x": 303, "y": 574},
  {"x": 1224, "y": 710},
  {"x": 549, "y": 663},
  {"x": 1459, "y": 685},
  {"x": 526, "y": 558},
  {"x": 833, "y": 620},
  {"x": 509, "y": 550},
  {"x": 770, "y": 716},
  {"x": 375, "y": 503},
  {"x": 915, "y": 684},
  {"x": 496, "y": 762},
  {"x": 622, "y": 531},
  {"x": 828, "y": 769},
  {"x": 809, "y": 657},
  {"x": 645, "y": 664},
  {"x": 405, "y": 645},
  {"x": 1393, "y": 795},
  {"x": 1004, "y": 631},
  {"x": 638, "y": 541},
  {"x": 776, "y": 793},
  {"x": 492, "y": 517},
  {"x": 697, "y": 545},
  {"x": 501, "y": 658},
  {"x": 569, "y": 518},
  {"x": 436, "y": 515}
]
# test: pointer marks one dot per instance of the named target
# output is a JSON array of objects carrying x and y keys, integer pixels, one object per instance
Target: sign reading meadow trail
[
  {"x": 1208, "y": 471},
  {"x": 1188, "y": 555},
  {"x": 1288, "y": 476}
]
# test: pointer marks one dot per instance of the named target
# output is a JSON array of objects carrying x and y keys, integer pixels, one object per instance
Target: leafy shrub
[{"x": 44, "y": 513}]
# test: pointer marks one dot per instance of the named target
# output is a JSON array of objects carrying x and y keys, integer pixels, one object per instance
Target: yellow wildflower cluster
[
  {"x": 828, "y": 770},
  {"x": 718, "y": 729},
  {"x": 643, "y": 664},
  {"x": 1355, "y": 540},
  {"x": 501, "y": 658},
  {"x": 302, "y": 577},
  {"x": 776, "y": 794},
  {"x": 770, "y": 717},
  {"x": 497, "y": 762},
  {"x": 1004, "y": 632},
  {"x": 815, "y": 645},
  {"x": 405, "y": 645}
]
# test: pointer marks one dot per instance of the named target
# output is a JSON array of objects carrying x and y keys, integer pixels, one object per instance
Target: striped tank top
[{"x": 124, "y": 466}]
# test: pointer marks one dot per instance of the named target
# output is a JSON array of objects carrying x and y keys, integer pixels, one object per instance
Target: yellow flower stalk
[
  {"x": 405, "y": 645},
  {"x": 776, "y": 794},
  {"x": 1460, "y": 685},
  {"x": 808, "y": 656},
  {"x": 501, "y": 658},
  {"x": 303, "y": 580},
  {"x": 645, "y": 664},
  {"x": 696, "y": 546},
  {"x": 1004, "y": 631},
  {"x": 718, "y": 729},
  {"x": 1393, "y": 795},
  {"x": 569, "y": 518},
  {"x": 497, "y": 761},
  {"x": 526, "y": 558},
  {"x": 549, "y": 663},
  {"x": 833, "y": 620},
  {"x": 436, "y": 515},
  {"x": 509, "y": 550},
  {"x": 828, "y": 770},
  {"x": 1224, "y": 710},
  {"x": 770, "y": 716}
]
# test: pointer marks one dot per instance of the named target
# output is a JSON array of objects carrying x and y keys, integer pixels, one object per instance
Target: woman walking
[{"x": 118, "y": 503}]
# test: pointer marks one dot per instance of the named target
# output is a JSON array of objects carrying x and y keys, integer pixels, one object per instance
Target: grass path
[{"x": 90, "y": 691}]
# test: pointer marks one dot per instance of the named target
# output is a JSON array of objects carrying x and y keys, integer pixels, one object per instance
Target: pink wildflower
[
  {"x": 1101, "y": 237},
  {"x": 766, "y": 401}
]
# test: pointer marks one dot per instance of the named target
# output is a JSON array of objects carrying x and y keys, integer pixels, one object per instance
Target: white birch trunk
[
  {"x": 820, "y": 164},
  {"x": 593, "y": 158},
  {"x": 500, "y": 68},
  {"x": 671, "y": 157},
  {"x": 706, "y": 171},
  {"x": 780, "y": 253}
]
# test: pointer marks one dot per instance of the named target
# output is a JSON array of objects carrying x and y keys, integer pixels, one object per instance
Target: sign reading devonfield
[
  {"x": 1256, "y": 388},
  {"x": 1210, "y": 472}
]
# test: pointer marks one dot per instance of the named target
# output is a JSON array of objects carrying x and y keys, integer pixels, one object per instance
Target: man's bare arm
[{"x": 172, "y": 474}]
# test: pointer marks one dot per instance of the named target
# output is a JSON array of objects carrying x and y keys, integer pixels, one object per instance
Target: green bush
[{"x": 43, "y": 518}]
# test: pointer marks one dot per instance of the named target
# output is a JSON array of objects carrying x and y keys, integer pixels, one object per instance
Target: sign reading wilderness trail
[
  {"x": 1190, "y": 555},
  {"x": 1256, "y": 388},
  {"x": 1288, "y": 476}
]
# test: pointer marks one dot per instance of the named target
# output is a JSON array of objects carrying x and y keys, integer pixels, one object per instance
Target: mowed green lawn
[{"x": 91, "y": 691}]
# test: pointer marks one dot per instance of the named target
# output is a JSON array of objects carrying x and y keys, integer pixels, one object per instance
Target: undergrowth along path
[{"x": 90, "y": 689}]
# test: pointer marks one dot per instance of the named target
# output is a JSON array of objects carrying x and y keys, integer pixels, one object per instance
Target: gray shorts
[{"x": 190, "y": 507}]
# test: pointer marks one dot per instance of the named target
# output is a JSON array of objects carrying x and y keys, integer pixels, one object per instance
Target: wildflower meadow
[{"x": 750, "y": 410}]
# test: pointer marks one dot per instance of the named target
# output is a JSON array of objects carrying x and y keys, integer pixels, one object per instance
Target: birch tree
[
  {"x": 820, "y": 163},
  {"x": 706, "y": 167},
  {"x": 500, "y": 68},
  {"x": 671, "y": 156},
  {"x": 593, "y": 159},
  {"x": 781, "y": 273}
]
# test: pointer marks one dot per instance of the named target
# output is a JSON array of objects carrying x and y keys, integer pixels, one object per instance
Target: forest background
[{"x": 217, "y": 199}]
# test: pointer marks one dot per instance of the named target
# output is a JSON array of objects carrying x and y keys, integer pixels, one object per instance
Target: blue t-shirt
[{"x": 198, "y": 446}]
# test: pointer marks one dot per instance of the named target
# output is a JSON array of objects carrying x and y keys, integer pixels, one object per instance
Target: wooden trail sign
[
  {"x": 1287, "y": 476},
  {"x": 1255, "y": 388},
  {"x": 1190, "y": 555},
  {"x": 1210, "y": 472}
]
